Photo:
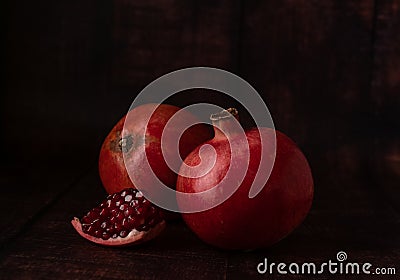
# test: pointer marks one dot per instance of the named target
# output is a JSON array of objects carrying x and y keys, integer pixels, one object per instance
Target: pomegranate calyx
[
  {"x": 225, "y": 123},
  {"x": 230, "y": 112},
  {"x": 125, "y": 143}
]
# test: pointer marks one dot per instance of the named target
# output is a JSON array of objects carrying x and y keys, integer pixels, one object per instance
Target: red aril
[
  {"x": 141, "y": 142},
  {"x": 241, "y": 222},
  {"x": 123, "y": 218}
]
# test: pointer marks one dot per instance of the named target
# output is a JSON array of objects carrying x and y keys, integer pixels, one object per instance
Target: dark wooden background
[{"x": 329, "y": 71}]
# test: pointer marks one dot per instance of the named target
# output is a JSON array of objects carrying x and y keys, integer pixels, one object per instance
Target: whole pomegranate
[
  {"x": 241, "y": 222},
  {"x": 141, "y": 142}
]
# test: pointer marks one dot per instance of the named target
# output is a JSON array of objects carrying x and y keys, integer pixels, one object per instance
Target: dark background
[{"x": 328, "y": 70}]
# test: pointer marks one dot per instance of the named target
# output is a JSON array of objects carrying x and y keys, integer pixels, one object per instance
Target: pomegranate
[
  {"x": 124, "y": 218},
  {"x": 129, "y": 143},
  {"x": 241, "y": 222}
]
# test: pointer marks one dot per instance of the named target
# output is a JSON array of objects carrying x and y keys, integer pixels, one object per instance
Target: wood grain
[
  {"x": 311, "y": 61},
  {"x": 385, "y": 101},
  {"x": 155, "y": 37}
]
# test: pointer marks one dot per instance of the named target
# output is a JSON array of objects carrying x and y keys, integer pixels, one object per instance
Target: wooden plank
[
  {"x": 311, "y": 62},
  {"x": 386, "y": 78},
  {"x": 385, "y": 102},
  {"x": 53, "y": 108},
  {"x": 153, "y": 38},
  {"x": 28, "y": 193}
]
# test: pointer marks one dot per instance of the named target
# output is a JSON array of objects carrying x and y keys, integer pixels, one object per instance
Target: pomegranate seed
[
  {"x": 118, "y": 227},
  {"x": 120, "y": 216},
  {"x": 104, "y": 212},
  {"x": 118, "y": 203},
  {"x": 130, "y": 222},
  {"x": 97, "y": 233},
  {"x": 105, "y": 203},
  {"x": 86, "y": 220},
  {"x": 139, "y": 195},
  {"x": 133, "y": 203},
  {"x": 129, "y": 211},
  {"x": 113, "y": 212},
  {"x": 105, "y": 236}
]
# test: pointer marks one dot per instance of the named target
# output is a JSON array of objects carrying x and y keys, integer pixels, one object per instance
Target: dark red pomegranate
[
  {"x": 124, "y": 218},
  {"x": 242, "y": 222},
  {"x": 137, "y": 149}
]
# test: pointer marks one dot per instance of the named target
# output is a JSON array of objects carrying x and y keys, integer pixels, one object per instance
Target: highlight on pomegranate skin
[{"x": 123, "y": 218}]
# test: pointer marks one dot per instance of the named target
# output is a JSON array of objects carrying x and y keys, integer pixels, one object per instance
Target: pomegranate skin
[
  {"x": 249, "y": 223},
  {"x": 112, "y": 170},
  {"x": 138, "y": 238}
]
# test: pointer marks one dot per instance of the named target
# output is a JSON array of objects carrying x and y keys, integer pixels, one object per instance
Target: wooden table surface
[{"x": 38, "y": 241}]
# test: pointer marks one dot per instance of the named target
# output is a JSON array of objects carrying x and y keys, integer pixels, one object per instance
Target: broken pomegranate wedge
[{"x": 123, "y": 218}]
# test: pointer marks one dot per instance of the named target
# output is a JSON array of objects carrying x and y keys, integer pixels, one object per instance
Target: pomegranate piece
[{"x": 123, "y": 218}]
